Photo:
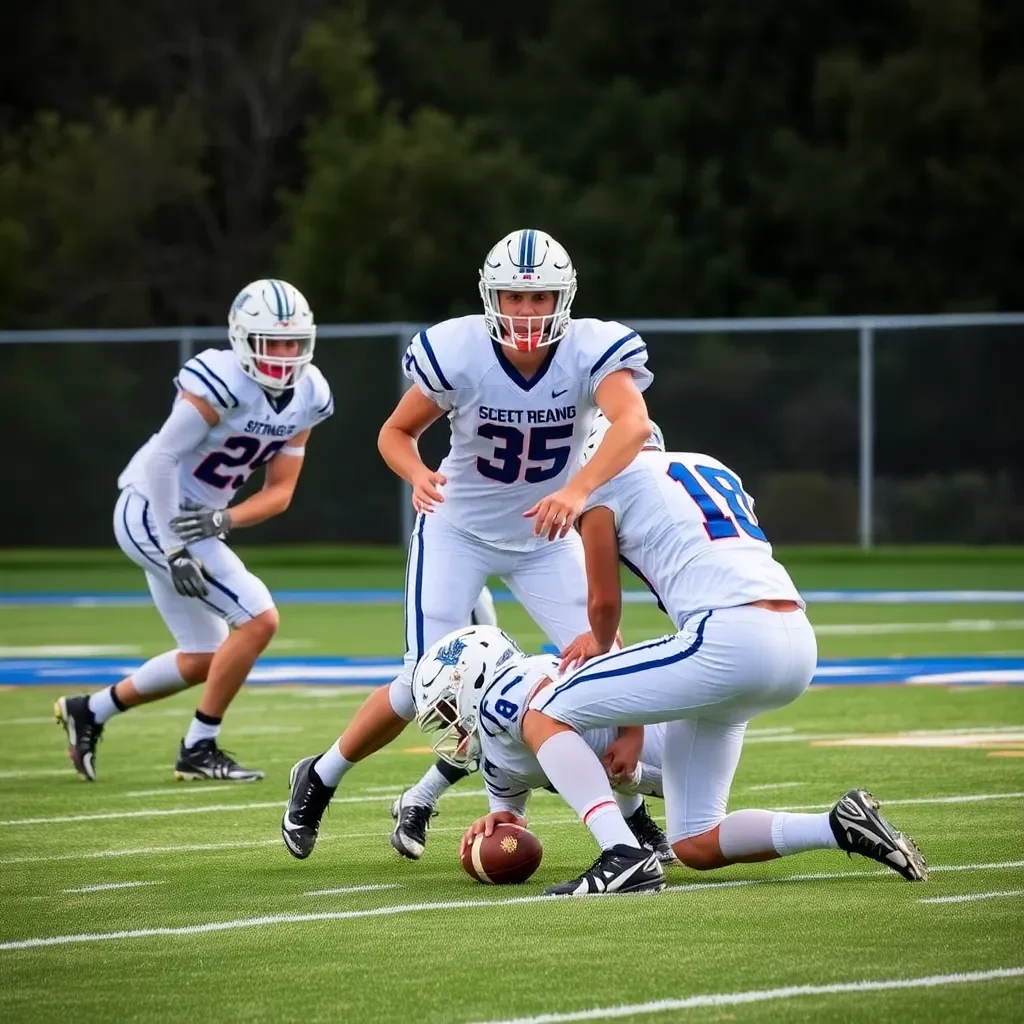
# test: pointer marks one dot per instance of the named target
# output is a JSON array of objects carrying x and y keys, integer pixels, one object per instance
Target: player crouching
[{"x": 470, "y": 689}]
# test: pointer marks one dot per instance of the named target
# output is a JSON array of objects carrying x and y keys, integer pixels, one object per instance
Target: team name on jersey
[
  {"x": 567, "y": 412},
  {"x": 269, "y": 429}
]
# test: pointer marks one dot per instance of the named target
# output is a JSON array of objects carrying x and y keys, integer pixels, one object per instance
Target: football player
[
  {"x": 519, "y": 384},
  {"x": 744, "y": 645},
  {"x": 236, "y": 411},
  {"x": 468, "y": 689}
]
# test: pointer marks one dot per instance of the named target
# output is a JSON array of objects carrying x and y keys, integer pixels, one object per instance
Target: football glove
[
  {"x": 200, "y": 524},
  {"x": 187, "y": 573}
]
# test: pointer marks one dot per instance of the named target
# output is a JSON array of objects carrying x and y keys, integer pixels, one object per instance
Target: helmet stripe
[
  {"x": 531, "y": 246},
  {"x": 523, "y": 236},
  {"x": 289, "y": 310},
  {"x": 277, "y": 300}
]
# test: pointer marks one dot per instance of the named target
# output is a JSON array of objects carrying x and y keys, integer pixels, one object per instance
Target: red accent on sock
[{"x": 590, "y": 811}]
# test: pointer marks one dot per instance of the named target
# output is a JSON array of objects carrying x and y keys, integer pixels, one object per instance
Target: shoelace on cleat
[
  {"x": 417, "y": 821},
  {"x": 645, "y": 828},
  {"x": 310, "y": 801}
]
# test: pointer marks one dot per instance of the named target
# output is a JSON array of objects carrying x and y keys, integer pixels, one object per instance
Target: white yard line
[
  {"x": 240, "y": 844},
  {"x": 950, "y": 626},
  {"x": 965, "y": 798},
  {"x": 33, "y": 773},
  {"x": 110, "y": 885},
  {"x": 161, "y": 812},
  {"x": 766, "y": 995},
  {"x": 69, "y": 651},
  {"x": 772, "y": 785},
  {"x": 352, "y": 888},
  {"x": 971, "y": 897},
  {"x": 443, "y": 905}
]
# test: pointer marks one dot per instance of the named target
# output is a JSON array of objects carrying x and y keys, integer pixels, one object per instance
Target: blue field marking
[
  {"x": 343, "y": 597},
  {"x": 334, "y": 671}
]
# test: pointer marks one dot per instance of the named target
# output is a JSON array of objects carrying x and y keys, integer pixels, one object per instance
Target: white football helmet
[
  {"x": 528, "y": 260},
  {"x": 600, "y": 427},
  {"x": 448, "y": 684},
  {"x": 266, "y": 312}
]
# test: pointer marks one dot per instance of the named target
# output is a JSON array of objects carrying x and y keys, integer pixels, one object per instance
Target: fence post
[
  {"x": 184, "y": 347},
  {"x": 404, "y": 490},
  {"x": 867, "y": 433}
]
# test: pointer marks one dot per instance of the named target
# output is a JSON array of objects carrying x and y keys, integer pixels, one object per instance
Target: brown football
[{"x": 509, "y": 855}]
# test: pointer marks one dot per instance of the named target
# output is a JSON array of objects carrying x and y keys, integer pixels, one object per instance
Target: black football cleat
[
  {"x": 206, "y": 760},
  {"x": 306, "y": 805},
  {"x": 83, "y": 732},
  {"x": 859, "y": 828},
  {"x": 411, "y": 823},
  {"x": 649, "y": 834},
  {"x": 620, "y": 869}
]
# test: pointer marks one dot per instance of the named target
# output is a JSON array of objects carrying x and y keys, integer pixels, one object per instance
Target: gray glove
[
  {"x": 199, "y": 524},
  {"x": 187, "y": 573}
]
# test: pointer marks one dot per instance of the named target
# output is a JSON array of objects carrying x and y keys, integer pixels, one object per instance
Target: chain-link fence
[{"x": 846, "y": 430}]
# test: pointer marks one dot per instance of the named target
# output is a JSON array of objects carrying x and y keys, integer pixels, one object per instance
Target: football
[{"x": 508, "y": 856}]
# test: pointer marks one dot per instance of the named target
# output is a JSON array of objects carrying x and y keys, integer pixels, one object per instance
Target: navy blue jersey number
[
  {"x": 247, "y": 458},
  {"x": 717, "y": 524}
]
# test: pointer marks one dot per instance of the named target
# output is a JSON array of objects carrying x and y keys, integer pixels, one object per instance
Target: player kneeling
[
  {"x": 471, "y": 689},
  {"x": 743, "y": 646}
]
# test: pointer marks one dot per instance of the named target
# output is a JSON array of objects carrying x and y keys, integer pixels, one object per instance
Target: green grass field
[{"x": 208, "y": 918}]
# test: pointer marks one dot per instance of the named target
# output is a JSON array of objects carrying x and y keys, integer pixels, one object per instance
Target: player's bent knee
[
  {"x": 264, "y": 626},
  {"x": 538, "y": 728},
  {"x": 193, "y": 667},
  {"x": 700, "y": 852}
]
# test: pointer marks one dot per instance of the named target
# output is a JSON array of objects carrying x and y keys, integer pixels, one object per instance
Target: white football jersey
[
  {"x": 514, "y": 441},
  {"x": 687, "y": 528},
  {"x": 253, "y": 427},
  {"x": 507, "y": 765}
]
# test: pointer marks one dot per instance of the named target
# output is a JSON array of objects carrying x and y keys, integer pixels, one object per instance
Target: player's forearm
[
  {"x": 604, "y": 613},
  {"x": 161, "y": 475},
  {"x": 619, "y": 447},
  {"x": 400, "y": 451},
  {"x": 263, "y": 505},
  {"x": 183, "y": 431}
]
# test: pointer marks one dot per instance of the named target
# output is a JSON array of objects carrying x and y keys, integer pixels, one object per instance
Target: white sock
[
  {"x": 199, "y": 730},
  {"x": 159, "y": 675},
  {"x": 750, "y": 832},
  {"x": 574, "y": 770},
  {"x": 102, "y": 705},
  {"x": 330, "y": 766},
  {"x": 428, "y": 790},
  {"x": 795, "y": 833},
  {"x": 746, "y": 834},
  {"x": 629, "y": 803}
]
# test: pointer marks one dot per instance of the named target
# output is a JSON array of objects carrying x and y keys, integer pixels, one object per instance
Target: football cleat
[
  {"x": 411, "y": 823},
  {"x": 306, "y": 805},
  {"x": 83, "y": 732},
  {"x": 649, "y": 835},
  {"x": 206, "y": 760},
  {"x": 859, "y": 828},
  {"x": 620, "y": 869}
]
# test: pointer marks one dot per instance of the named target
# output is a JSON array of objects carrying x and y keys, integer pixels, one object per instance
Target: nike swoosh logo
[
  {"x": 628, "y": 874},
  {"x": 558, "y": 394},
  {"x": 291, "y": 825}
]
